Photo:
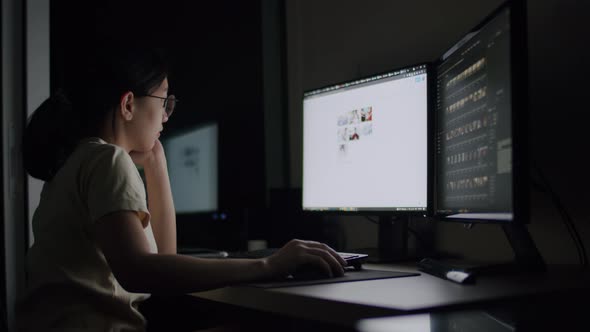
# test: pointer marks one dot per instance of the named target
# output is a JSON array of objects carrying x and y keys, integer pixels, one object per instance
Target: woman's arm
[
  {"x": 123, "y": 242},
  {"x": 160, "y": 204}
]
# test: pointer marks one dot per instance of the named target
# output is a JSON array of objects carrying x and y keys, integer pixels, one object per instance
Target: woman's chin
[{"x": 146, "y": 147}]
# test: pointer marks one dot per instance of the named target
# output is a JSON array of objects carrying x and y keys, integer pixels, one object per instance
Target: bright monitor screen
[
  {"x": 365, "y": 144},
  {"x": 192, "y": 167},
  {"x": 474, "y": 124}
]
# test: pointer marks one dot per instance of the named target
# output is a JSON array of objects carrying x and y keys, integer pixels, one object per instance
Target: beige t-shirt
[{"x": 70, "y": 284}]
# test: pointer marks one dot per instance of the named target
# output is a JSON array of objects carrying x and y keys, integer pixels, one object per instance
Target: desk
[{"x": 344, "y": 304}]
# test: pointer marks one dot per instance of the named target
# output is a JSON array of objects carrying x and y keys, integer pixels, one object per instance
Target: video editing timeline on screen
[{"x": 474, "y": 125}]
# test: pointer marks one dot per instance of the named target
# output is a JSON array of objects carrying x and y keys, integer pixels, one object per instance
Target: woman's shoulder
[
  {"x": 97, "y": 144},
  {"x": 92, "y": 151},
  {"x": 95, "y": 147}
]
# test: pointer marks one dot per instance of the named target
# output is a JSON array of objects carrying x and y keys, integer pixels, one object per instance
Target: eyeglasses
[{"x": 169, "y": 103}]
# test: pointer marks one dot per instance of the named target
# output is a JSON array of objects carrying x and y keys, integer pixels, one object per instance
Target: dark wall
[{"x": 214, "y": 51}]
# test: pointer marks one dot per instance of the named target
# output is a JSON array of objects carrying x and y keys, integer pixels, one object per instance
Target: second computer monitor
[
  {"x": 365, "y": 144},
  {"x": 481, "y": 163},
  {"x": 192, "y": 164}
]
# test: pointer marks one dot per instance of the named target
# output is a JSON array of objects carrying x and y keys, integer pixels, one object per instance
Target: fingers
[
  {"x": 327, "y": 248},
  {"x": 320, "y": 255},
  {"x": 320, "y": 262},
  {"x": 323, "y": 258}
]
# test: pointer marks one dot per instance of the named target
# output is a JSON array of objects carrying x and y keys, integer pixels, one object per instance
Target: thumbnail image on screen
[
  {"x": 473, "y": 121},
  {"x": 365, "y": 144}
]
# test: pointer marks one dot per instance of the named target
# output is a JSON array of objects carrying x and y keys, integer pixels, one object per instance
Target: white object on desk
[
  {"x": 411, "y": 323},
  {"x": 457, "y": 276}
]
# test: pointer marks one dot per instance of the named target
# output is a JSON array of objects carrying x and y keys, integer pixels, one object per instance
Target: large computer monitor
[
  {"x": 192, "y": 157},
  {"x": 365, "y": 150},
  {"x": 480, "y": 129},
  {"x": 206, "y": 220}
]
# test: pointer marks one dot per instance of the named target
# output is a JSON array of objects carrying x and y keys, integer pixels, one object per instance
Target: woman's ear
[{"x": 127, "y": 105}]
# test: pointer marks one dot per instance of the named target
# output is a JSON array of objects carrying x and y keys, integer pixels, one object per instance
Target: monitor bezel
[
  {"x": 380, "y": 211},
  {"x": 519, "y": 117}
]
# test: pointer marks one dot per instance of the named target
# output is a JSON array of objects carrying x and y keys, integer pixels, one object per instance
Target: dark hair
[{"x": 78, "y": 110}]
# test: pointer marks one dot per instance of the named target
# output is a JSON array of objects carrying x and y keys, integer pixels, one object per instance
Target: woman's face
[{"x": 149, "y": 119}]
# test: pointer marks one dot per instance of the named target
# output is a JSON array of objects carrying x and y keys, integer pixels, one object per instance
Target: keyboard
[{"x": 353, "y": 259}]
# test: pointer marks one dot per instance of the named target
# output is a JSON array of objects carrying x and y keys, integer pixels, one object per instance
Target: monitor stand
[
  {"x": 526, "y": 254},
  {"x": 393, "y": 241}
]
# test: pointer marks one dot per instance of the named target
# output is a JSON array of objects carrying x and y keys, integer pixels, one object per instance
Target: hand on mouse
[{"x": 297, "y": 253}]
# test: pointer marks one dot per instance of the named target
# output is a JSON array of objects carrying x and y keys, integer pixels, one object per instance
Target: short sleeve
[{"x": 112, "y": 183}]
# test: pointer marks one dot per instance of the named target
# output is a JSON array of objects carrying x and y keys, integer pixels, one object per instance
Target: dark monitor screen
[
  {"x": 478, "y": 145},
  {"x": 192, "y": 166},
  {"x": 365, "y": 144}
]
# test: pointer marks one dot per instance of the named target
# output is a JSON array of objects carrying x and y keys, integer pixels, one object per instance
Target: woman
[{"x": 100, "y": 246}]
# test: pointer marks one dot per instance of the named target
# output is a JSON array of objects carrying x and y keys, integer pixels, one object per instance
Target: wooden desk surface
[{"x": 346, "y": 303}]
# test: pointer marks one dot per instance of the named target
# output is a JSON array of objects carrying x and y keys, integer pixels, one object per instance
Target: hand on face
[
  {"x": 298, "y": 252},
  {"x": 147, "y": 158}
]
